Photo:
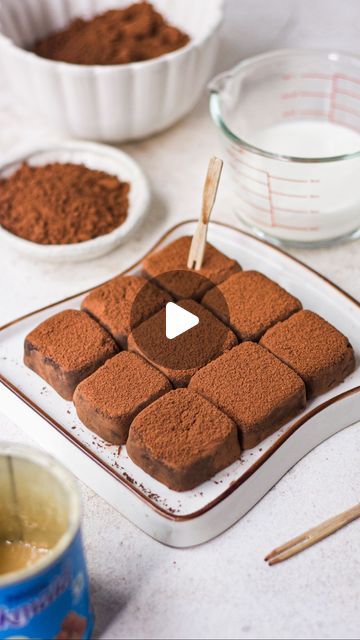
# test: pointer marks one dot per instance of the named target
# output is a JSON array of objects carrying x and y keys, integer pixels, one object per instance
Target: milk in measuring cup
[
  {"x": 300, "y": 201},
  {"x": 307, "y": 139}
]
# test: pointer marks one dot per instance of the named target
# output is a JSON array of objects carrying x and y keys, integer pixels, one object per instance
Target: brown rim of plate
[{"x": 254, "y": 467}]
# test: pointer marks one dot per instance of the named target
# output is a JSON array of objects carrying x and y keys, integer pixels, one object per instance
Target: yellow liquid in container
[{"x": 15, "y": 556}]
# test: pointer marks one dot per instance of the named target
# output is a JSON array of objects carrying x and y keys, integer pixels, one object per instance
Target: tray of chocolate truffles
[{"x": 184, "y": 436}]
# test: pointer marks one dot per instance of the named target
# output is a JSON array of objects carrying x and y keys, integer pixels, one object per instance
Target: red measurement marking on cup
[
  {"x": 313, "y": 113},
  {"x": 353, "y": 112},
  {"x": 237, "y": 153},
  {"x": 268, "y": 180},
  {"x": 286, "y": 226},
  {"x": 310, "y": 181},
  {"x": 287, "y": 210},
  {"x": 347, "y": 78},
  {"x": 329, "y": 76},
  {"x": 272, "y": 176},
  {"x": 271, "y": 203},
  {"x": 332, "y": 101},
  {"x": 298, "y": 113},
  {"x": 255, "y": 193},
  {"x": 251, "y": 204},
  {"x": 290, "y": 113},
  {"x": 350, "y": 94},
  {"x": 249, "y": 177},
  {"x": 304, "y": 94},
  {"x": 338, "y": 84},
  {"x": 316, "y": 76},
  {"x": 321, "y": 94},
  {"x": 277, "y": 193},
  {"x": 322, "y": 76},
  {"x": 281, "y": 209}
]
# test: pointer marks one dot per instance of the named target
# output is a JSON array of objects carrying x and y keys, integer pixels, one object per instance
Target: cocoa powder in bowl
[
  {"x": 62, "y": 203},
  {"x": 119, "y": 36}
]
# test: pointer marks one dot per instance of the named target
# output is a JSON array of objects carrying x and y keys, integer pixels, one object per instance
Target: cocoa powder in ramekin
[{"x": 62, "y": 203}]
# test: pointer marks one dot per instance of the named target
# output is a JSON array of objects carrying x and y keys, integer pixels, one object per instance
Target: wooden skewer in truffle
[
  {"x": 197, "y": 248},
  {"x": 310, "y": 537}
]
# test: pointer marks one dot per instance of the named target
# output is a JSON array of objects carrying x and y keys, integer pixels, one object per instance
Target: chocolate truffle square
[
  {"x": 123, "y": 303},
  {"x": 310, "y": 345},
  {"x": 110, "y": 398},
  {"x": 179, "y": 280},
  {"x": 254, "y": 304},
  {"x": 66, "y": 348},
  {"x": 254, "y": 389},
  {"x": 182, "y": 440},
  {"x": 180, "y": 357}
]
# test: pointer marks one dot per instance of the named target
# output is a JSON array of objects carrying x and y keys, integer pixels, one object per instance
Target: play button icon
[
  {"x": 182, "y": 335},
  {"x": 178, "y": 320}
]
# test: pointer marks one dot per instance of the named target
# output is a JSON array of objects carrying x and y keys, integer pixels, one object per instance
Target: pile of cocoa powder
[
  {"x": 119, "y": 36},
  {"x": 62, "y": 203}
]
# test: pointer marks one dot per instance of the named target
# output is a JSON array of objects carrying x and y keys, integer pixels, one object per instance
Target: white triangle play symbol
[{"x": 178, "y": 320}]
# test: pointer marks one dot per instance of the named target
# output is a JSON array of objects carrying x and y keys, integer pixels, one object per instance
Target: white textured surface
[{"x": 222, "y": 589}]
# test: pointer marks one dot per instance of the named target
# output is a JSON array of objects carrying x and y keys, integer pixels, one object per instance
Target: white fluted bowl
[
  {"x": 93, "y": 156},
  {"x": 115, "y": 102}
]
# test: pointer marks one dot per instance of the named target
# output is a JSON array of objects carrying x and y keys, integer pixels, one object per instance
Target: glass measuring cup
[{"x": 290, "y": 122}]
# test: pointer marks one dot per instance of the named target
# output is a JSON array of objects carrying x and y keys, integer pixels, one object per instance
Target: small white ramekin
[
  {"x": 93, "y": 156},
  {"x": 113, "y": 103}
]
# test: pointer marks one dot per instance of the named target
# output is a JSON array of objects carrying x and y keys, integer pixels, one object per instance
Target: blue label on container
[{"x": 53, "y": 604}]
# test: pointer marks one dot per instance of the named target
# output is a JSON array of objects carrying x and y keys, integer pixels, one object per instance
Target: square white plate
[{"x": 192, "y": 517}]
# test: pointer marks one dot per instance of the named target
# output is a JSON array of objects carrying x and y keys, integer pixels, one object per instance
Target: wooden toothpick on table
[
  {"x": 310, "y": 537},
  {"x": 197, "y": 248}
]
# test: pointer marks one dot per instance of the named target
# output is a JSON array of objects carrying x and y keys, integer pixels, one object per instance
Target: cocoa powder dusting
[
  {"x": 306, "y": 342},
  {"x": 119, "y": 36},
  {"x": 180, "y": 358},
  {"x": 181, "y": 425},
  {"x": 123, "y": 383},
  {"x": 320, "y": 354},
  {"x": 72, "y": 340},
  {"x": 247, "y": 383},
  {"x": 124, "y": 302},
  {"x": 62, "y": 203},
  {"x": 254, "y": 303},
  {"x": 168, "y": 267}
]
